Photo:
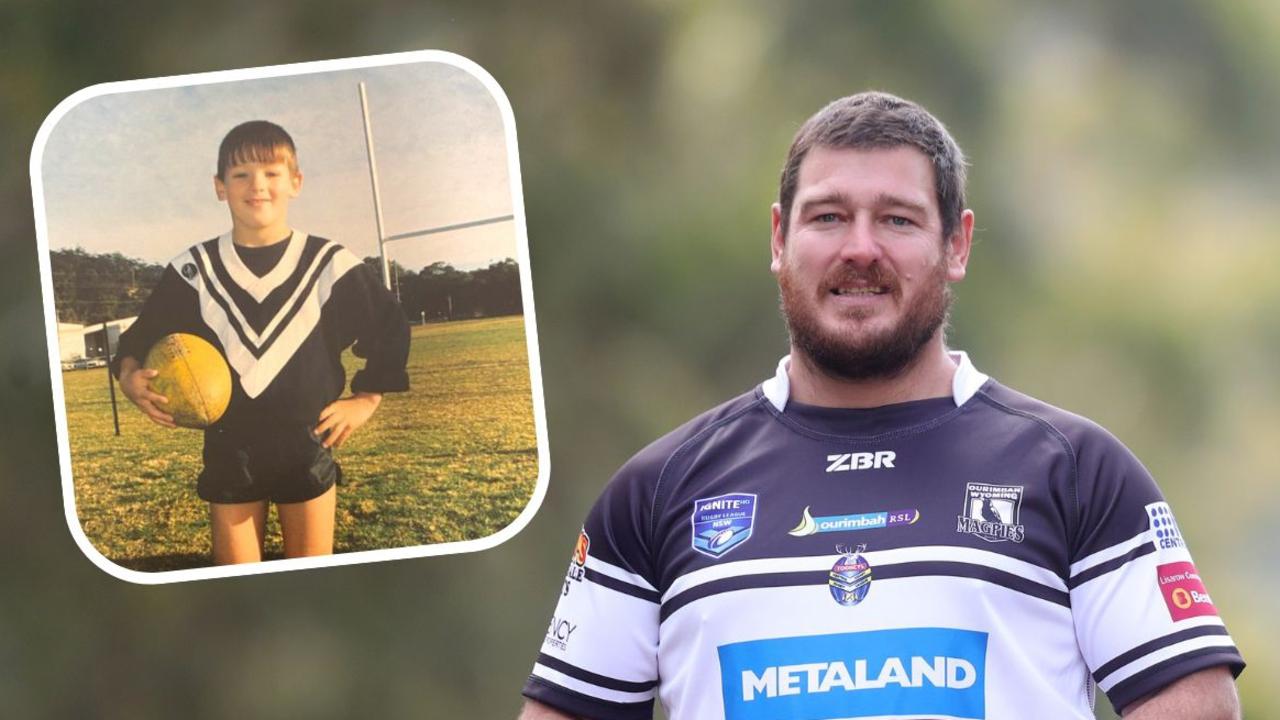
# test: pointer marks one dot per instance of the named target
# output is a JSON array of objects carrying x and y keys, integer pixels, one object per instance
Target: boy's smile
[{"x": 258, "y": 195}]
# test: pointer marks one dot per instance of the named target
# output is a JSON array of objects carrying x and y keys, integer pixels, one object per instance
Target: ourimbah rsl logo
[
  {"x": 991, "y": 512},
  {"x": 578, "y": 565},
  {"x": 1164, "y": 527},
  {"x": 722, "y": 523},
  {"x": 850, "y": 578},
  {"x": 846, "y": 523},
  {"x": 189, "y": 271}
]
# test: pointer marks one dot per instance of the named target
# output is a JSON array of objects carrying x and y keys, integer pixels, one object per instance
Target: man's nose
[{"x": 860, "y": 245}]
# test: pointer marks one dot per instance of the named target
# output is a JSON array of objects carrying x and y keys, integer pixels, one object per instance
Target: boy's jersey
[
  {"x": 282, "y": 333},
  {"x": 978, "y": 556}
]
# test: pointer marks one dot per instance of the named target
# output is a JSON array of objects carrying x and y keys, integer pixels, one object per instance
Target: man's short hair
[
  {"x": 879, "y": 120},
  {"x": 256, "y": 141}
]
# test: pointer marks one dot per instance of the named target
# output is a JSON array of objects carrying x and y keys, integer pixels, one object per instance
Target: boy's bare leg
[
  {"x": 307, "y": 526},
  {"x": 238, "y": 531}
]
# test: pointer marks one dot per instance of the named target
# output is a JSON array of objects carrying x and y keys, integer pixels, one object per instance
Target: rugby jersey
[
  {"x": 983, "y": 555},
  {"x": 282, "y": 332}
]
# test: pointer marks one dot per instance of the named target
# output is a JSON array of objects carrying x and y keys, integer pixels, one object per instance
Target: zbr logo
[
  {"x": 722, "y": 523},
  {"x": 842, "y": 462},
  {"x": 913, "y": 672},
  {"x": 991, "y": 512}
]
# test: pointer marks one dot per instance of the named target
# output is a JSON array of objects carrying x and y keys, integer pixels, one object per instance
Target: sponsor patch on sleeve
[
  {"x": 1183, "y": 592},
  {"x": 577, "y": 566},
  {"x": 1164, "y": 527}
]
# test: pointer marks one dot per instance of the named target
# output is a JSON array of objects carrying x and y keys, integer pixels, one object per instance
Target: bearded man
[{"x": 880, "y": 530}]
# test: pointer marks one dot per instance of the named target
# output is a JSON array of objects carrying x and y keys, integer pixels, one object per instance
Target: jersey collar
[
  {"x": 260, "y": 287},
  {"x": 964, "y": 384}
]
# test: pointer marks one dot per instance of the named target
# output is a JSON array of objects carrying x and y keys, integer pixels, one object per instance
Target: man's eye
[
  {"x": 827, "y": 218},
  {"x": 899, "y": 221}
]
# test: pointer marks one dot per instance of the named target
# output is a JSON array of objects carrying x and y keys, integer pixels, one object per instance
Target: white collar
[
  {"x": 260, "y": 287},
  {"x": 964, "y": 383}
]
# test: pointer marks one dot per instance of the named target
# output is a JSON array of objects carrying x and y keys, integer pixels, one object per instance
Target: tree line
[{"x": 92, "y": 288}]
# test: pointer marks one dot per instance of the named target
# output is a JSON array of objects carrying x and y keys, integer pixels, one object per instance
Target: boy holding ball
[{"x": 281, "y": 305}]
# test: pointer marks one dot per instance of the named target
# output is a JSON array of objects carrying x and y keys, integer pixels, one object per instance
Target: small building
[{"x": 77, "y": 341}]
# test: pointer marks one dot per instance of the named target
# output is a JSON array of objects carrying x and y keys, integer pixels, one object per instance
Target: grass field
[{"x": 455, "y": 458}]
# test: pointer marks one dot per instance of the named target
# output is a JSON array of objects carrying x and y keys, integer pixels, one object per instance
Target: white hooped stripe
[
  {"x": 589, "y": 689},
  {"x": 928, "y": 553},
  {"x": 617, "y": 573},
  {"x": 964, "y": 384},
  {"x": 1112, "y": 552},
  {"x": 1127, "y": 671}
]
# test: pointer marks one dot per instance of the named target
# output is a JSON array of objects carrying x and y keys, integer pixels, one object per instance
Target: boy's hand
[
  {"x": 345, "y": 416},
  {"x": 135, "y": 382}
]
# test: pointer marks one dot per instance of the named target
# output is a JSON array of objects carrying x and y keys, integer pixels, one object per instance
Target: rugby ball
[
  {"x": 194, "y": 377},
  {"x": 721, "y": 538}
]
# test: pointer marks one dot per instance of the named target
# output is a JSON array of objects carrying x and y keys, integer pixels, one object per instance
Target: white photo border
[{"x": 526, "y": 290}]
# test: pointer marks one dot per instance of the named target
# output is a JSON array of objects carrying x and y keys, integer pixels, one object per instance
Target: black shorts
[{"x": 284, "y": 464}]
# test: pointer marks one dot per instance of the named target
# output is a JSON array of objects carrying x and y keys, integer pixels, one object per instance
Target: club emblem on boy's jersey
[
  {"x": 578, "y": 565},
  {"x": 1164, "y": 527},
  {"x": 189, "y": 271},
  {"x": 846, "y": 523},
  {"x": 850, "y": 578},
  {"x": 991, "y": 512},
  {"x": 722, "y": 523}
]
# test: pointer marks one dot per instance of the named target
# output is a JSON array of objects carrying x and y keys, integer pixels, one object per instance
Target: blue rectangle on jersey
[{"x": 913, "y": 672}]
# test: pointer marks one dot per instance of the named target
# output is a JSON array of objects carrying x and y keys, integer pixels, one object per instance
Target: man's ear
[
  {"x": 958, "y": 247},
  {"x": 219, "y": 188},
  {"x": 777, "y": 239}
]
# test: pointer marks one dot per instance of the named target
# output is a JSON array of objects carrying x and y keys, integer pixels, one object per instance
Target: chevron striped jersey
[
  {"x": 983, "y": 555},
  {"x": 282, "y": 332}
]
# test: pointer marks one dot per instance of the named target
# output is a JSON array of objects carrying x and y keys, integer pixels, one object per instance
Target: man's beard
[{"x": 851, "y": 353}]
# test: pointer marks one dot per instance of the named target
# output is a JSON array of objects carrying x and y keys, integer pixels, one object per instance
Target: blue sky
[{"x": 132, "y": 172}]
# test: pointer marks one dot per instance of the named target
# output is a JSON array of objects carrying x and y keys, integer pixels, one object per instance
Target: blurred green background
[{"x": 1125, "y": 165}]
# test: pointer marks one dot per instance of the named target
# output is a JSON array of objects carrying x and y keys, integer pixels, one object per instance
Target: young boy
[{"x": 281, "y": 306}]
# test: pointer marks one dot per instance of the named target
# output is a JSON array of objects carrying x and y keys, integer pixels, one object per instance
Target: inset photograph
[{"x": 290, "y": 317}]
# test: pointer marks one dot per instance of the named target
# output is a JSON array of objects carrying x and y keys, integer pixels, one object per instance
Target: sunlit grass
[{"x": 453, "y": 459}]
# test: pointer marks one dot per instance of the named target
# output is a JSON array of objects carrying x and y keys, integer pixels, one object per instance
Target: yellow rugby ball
[{"x": 194, "y": 377}]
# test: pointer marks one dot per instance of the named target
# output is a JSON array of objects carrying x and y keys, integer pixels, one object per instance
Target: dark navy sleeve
[
  {"x": 170, "y": 308},
  {"x": 599, "y": 659},
  {"x": 1142, "y": 613},
  {"x": 381, "y": 333}
]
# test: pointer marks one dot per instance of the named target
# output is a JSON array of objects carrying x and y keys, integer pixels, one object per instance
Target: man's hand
[
  {"x": 343, "y": 417},
  {"x": 135, "y": 382},
  {"x": 1209, "y": 694}
]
